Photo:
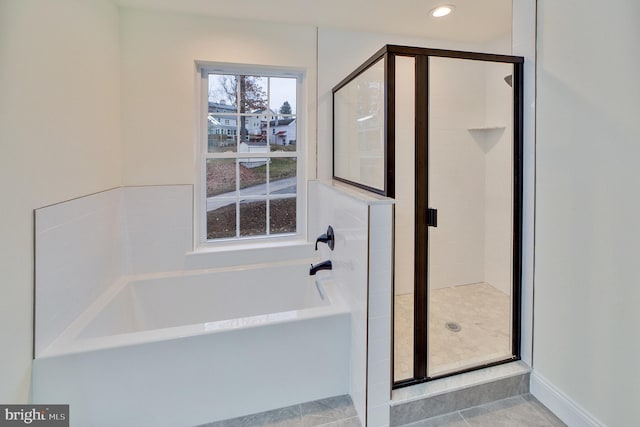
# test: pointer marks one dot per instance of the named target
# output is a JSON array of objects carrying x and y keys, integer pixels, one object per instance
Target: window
[{"x": 250, "y": 182}]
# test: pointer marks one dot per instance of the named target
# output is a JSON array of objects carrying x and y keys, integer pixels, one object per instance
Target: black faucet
[
  {"x": 324, "y": 265},
  {"x": 329, "y": 238}
]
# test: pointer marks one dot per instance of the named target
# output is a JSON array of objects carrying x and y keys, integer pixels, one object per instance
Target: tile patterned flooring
[
  {"x": 518, "y": 411},
  {"x": 331, "y": 412},
  {"x": 482, "y": 311}
]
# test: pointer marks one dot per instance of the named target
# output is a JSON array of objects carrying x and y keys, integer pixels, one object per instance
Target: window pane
[
  {"x": 223, "y": 93},
  {"x": 253, "y": 94},
  {"x": 282, "y": 176},
  {"x": 253, "y": 176},
  {"x": 253, "y": 217},
  {"x": 251, "y": 131},
  {"x": 221, "y": 177},
  {"x": 221, "y": 222},
  {"x": 221, "y": 206},
  {"x": 250, "y": 116},
  {"x": 222, "y": 132},
  {"x": 282, "y": 95},
  {"x": 283, "y": 133},
  {"x": 282, "y": 216}
]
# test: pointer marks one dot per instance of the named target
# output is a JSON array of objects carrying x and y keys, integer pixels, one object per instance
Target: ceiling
[{"x": 472, "y": 20}]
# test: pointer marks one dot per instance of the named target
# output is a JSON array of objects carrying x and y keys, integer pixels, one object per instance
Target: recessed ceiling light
[{"x": 440, "y": 11}]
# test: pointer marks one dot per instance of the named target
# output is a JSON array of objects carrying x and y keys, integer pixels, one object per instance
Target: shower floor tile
[{"x": 483, "y": 314}]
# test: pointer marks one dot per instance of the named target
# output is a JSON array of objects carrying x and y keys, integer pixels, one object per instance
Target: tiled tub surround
[
  {"x": 84, "y": 245},
  {"x": 362, "y": 266},
  {"x": 195, "y": 347},
  {"x": 78, "y": 247},
  {"x": 113, "y": 347},
  {"x": 483, "y": 313},
  {"x": 135, "y": 328}
]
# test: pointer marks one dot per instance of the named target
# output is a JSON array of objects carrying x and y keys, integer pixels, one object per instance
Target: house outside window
[{"x": 250, "y": 182}]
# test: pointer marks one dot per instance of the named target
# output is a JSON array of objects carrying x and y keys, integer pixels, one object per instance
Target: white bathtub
[{"x": 186, "y": 348}]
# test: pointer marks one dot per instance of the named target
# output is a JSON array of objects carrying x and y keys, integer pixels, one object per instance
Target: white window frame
[{"x": 202, "y": 154}]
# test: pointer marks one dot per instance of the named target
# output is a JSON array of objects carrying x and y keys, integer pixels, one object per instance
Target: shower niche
[{"x": 440, "y": 131}]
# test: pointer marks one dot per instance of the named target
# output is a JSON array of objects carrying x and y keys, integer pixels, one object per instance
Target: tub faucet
[
  {"x": 329, "y": 238},
  {"x": 324, "y": 265}
]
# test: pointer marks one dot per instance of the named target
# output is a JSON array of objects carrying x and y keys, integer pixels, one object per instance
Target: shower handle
[
  {"x": 431, "y": 217},
  {"x": 329, "y": 238}
]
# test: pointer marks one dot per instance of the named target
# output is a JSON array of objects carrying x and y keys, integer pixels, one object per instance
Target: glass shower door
[{"x": 470, "y": 194}]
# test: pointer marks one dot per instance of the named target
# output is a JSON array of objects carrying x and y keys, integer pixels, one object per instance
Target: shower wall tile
[
  {"x": 379, "y": 330},
  {"x": 379, "y": 313},
  {"x": 77, "y": 257},
  {"x": 349, "y": 218},
  {"x": 363, "y": 263},
  {"x": 379, "y": 302},
  {"x": 378, "y": 416},
  {"x": 380, "y": 371},
  {"x": 84, "y": 245},
  {"x": 158, "y": 227}
]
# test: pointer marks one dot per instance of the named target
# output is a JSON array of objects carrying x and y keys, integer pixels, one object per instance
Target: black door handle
[{"x": 432, "y": 217}]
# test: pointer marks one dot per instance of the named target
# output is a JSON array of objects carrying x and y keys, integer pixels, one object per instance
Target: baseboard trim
[{"x": 560, "y": 404}]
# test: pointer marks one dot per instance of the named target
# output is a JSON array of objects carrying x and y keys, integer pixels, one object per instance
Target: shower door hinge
[{"x": 432, "y": 217}]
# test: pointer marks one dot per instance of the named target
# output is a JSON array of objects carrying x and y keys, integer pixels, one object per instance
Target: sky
[{"x": 281, "y": 89}]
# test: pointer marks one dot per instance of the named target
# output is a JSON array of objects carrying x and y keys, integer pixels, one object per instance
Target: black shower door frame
[{"x": 421, "y": 56}]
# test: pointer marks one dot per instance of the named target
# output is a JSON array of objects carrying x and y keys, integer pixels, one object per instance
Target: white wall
[
  {"x": 160, "y": 113},
  {"x": 587, "y": 279},
  {"x": 60, "y": 133}
]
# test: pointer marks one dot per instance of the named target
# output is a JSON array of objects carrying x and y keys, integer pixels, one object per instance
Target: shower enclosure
[{"x": 441, "y": 132}]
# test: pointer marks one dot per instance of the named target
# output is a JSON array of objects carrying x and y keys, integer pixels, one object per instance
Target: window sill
[
  {"x": 214, "y": 256},
  {"x": 248, "y": 245}
]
